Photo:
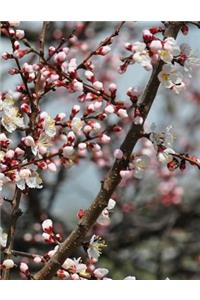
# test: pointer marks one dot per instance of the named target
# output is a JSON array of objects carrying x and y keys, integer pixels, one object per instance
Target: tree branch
[
  {"x": 15, "y": 214},
  {"x": 113, "y": 177}
]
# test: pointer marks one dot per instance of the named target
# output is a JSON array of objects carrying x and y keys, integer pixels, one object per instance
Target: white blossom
[{"x": 95, "y": 247}]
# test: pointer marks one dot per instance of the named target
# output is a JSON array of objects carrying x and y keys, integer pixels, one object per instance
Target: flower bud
[
  {"x": 8, "y": 263},
  {"x": 60, "y": 57},
  {"x": 118, "y": 154},
  {"x": 155, "y": 46},
  {"x": 98, "y": 85},
  {"x": 10, "y": 154},
  {"x": 29, "y": 141},
  {"x": 105, "y": 139},
  {"x": 103, "y": 50},
  {"x": 25, "y": 108},
  {"x": 89, "y": 75},
  {"x": 122, "y": 113},
  {"x": 52, "y": 167},
  {"x": 47, "y": 225},
  {"x": 78, "y": 86},
  {"x": 109, "y": 109},
  {"x": 20, "y": 34},
  {"x": 23, "y": 267},
  {"x": 68, "y": 151}
]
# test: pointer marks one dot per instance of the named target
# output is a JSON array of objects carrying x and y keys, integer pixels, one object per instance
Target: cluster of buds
[{"x": 48, "y": 232}]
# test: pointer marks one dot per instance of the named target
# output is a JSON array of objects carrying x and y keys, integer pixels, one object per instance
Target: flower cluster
[{"x": 178, "y": 60}]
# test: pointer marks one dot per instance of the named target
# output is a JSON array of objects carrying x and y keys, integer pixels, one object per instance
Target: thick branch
[{"x": 112, "y": 179}]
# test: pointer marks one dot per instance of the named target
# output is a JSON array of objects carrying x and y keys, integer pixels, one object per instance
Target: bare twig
[
  {"x": 105, "y": 42},
  {"x": 15, "y": 214}
]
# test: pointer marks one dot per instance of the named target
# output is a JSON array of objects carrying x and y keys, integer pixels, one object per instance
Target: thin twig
[{"x": 15, "y": 214}]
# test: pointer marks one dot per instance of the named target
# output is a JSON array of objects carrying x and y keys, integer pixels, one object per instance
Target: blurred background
[{"x": 155, "y": 227}]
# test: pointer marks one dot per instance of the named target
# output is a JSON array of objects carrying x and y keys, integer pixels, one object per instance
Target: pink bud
[
  {"x": 47, "y": 225},
  {"x": 82, "y": 146},
  {"x": 75, "y": 109},
  {"x": 103, "y": 50},
  {"x": 147, "y": 36},
  {"x": 98, "y": 85},
  {"x": 122, "y": 113},
  {"x": 66, "y": 50},
  {"x": 78, "y": 86},
  {"x": 51, "y": 50},
  {"x": 109, "y": 109},
  {"x": 10, "y": 154},
  {"x": 29, "y": 141},
  {"x": 68, "y": 151},
  {"x": 20, "y": 34},
  {"x": 71, "y": 137},
  {"x": 52, "y": 167},
  {"x": 97, "y": 105},
  {"x": 90, "y": 108},
  {"x": 60, "y": 117},
  {"x": 23, "y": 267},
  {"x": 6, "y": 56},
  {"x": 155, "y": 46},
  {"x": 105, "y": 139},
  {"x": 60, "y": 57},
  {"x": 118, "y": 154},
  {"x": 89, "y": 75},
  {"x": 19, "y": 151},
  {"x": 25, "y": 108},
  {"x": 112, "y": 88},
  {"x": 128, "y": 46},
  {"x": 87, "y": 128},
  {"x": 43, "y": 115},
  {"x": 16, "y": 45},
  {"x": 37, "y": 259}
]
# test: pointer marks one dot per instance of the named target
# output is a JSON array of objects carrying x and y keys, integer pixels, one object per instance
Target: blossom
[
  {"x": 27, "y": 177},
  {"x": 170, "y": 49},
  {"x": 104, "y": 218},
  {"x": 77, "y": 124},
  {"x": 99, "y": 273},
  {"x": 11, "y": 118},
  {"x": 188, "y": 60},
  {"x": 171, "y": 77},
  {"x": 165, "y": 138},
  {"x": 141, "y": 55},
  {"x": 96, "y": 245},
  {"x": 74, "y": 265},
  {"x": 140, "y": 164},
  {"x": 165, "y": 156},
  {"x": 49, "y": 125}
]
